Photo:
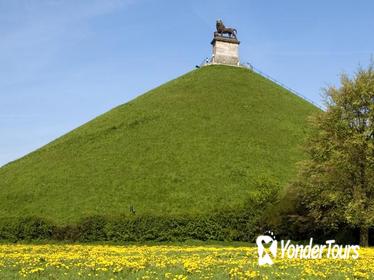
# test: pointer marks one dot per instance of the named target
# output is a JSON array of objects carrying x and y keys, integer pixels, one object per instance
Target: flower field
[{"x": 168, "y": 262}]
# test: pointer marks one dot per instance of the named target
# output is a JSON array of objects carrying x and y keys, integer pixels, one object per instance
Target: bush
[
  {"x": 232, "y": 225},
  {"x": 239, "y": 224},
  {"x": 27, "y": 228}
]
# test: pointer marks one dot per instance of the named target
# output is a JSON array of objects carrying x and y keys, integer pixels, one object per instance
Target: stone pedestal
[{"x": 225, "y": 50}]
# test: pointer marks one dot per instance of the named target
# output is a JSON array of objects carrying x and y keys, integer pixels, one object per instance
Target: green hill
[{"x": 192, "y": 145}]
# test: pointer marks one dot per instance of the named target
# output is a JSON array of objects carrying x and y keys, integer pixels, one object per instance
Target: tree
[{"x": 335, "y": 185}]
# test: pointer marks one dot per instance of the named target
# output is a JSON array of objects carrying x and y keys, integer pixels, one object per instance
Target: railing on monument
[
  {"x": 258, "y": 71},
  {"x": 249, "y": 66}
]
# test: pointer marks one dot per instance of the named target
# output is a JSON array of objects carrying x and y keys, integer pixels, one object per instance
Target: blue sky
[{"x": 64, "y": 62}]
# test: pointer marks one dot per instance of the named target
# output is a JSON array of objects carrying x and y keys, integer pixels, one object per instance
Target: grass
[
  {"x": 193, "y": 145},
  {"x": 168, "y": 262}
]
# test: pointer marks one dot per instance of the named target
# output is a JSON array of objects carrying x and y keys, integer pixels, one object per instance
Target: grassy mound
[{"x": 193, "y": 145}]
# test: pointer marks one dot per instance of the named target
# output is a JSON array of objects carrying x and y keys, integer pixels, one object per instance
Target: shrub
[{"x": 239, "y": 224}]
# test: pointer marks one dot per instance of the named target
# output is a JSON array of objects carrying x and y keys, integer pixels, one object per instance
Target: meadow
[{"x": 73, "y": 261}]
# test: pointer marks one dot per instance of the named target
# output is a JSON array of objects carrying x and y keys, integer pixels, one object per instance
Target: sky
[{"x": 64, "y": 62}]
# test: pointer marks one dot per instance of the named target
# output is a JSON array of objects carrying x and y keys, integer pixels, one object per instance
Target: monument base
[{"x": 225, "y": 50}]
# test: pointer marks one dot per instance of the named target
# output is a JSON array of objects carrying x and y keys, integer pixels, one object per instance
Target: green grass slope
[{"x": 192, "y": 145}]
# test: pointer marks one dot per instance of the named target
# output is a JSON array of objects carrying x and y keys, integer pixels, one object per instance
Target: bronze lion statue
[{"x": 222, "y": 29}]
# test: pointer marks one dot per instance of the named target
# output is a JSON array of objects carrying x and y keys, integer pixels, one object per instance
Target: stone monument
[{"x": 225, "y": 45}]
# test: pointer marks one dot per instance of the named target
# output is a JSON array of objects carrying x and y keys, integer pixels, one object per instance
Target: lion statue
[{"x": 222, "y": 29}]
